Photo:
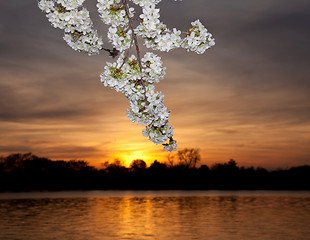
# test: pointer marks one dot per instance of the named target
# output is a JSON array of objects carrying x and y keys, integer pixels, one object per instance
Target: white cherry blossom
[{"x": 133, "y": 75}]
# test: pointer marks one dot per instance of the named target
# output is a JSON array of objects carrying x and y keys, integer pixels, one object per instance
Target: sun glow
[
  {"x": 128, "y": 145},
  {"x": 127, "y": 157}
]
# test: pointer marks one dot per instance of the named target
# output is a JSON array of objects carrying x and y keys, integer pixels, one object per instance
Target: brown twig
[{"x": 134, "y": 37}]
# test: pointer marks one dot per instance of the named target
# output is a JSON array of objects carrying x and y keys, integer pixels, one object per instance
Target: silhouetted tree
[
  {"x": 77, "y": 165},
  {"x": 171, "y": 160},
  {"x": 230, "y": 166},
  {"x": 137, "y": 164},
  {"x": 2, "y": 160},
  {"x": 157, "y": 166},
  {"x": 25, "y": 172},
  {"x": 116, "y": 166},
  {"x": 189, "y": 157},
  {"x": 15, "y": 161},
  {"x": 204, "y": 167}
]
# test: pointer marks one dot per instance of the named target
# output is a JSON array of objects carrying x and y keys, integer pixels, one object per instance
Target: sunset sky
[{"x": 247, "y": 98}]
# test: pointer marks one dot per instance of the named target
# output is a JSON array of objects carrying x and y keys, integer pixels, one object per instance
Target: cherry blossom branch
[{"x": 135, "y": 75}]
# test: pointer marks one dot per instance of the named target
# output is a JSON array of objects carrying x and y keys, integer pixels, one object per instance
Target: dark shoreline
[{"x": 24, "y": 173}]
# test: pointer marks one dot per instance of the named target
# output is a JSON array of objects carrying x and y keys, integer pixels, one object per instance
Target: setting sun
[
  {"x": 114, "y": 125},
  {"x": 126, "y": 157}
]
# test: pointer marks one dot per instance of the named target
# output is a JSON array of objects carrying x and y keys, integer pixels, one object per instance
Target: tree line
[{"x": 28, "y": 172}]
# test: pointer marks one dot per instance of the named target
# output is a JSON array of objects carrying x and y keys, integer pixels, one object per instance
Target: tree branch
[{"x": 134, "y": 37}]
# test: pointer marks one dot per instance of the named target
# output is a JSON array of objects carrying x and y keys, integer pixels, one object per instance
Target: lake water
[{"x": 166, "y": 215}]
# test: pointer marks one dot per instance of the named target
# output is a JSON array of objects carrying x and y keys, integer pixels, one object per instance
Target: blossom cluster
[
  {"x": 113, "y": 13},
  {"x": 134, "y": 76},
  {"x": 74, "y": 19},
  {"x": 156, "y": 34},
  {"x": 198, "y": 38},
  {"x": 137, "y": 83},
  {"x": 159, "y": 37}
]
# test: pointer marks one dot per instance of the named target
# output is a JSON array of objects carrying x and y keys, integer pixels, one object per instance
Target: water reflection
[{"x": 214, "y": 217}]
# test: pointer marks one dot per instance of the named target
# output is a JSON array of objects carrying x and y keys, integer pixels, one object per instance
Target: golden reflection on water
[
  {"x": 130, "y": 216},
  {"x": 214, "y": 217}
]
